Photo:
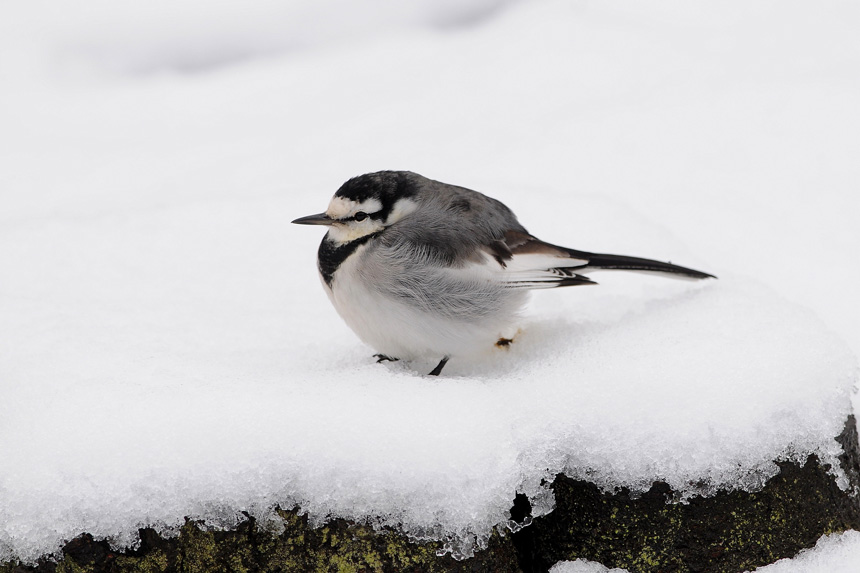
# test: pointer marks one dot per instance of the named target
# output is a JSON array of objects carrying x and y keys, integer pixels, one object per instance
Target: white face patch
[
  {"x": 401, "y": 208},
  {"x": 342, "y": 208}
]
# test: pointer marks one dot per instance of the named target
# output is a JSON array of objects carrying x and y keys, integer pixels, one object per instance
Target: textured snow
[
  {"x": 167, "y": 350},
  {"x": 583, "y": 566},
  {"x": 836, "y": 553}
]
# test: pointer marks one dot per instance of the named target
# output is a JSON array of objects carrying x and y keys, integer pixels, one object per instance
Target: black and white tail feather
[
  {"x": 530, "y": 263},
  {"x": 419, "y": 268}
]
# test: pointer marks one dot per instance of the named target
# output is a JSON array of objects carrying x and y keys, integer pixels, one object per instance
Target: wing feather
[{"x": 532, "y": 264}]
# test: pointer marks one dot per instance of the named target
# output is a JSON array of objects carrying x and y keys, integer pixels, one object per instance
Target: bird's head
[{"x": 367, "y": 204}]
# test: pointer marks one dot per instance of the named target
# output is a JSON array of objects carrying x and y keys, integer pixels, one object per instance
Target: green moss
[
  {"x": 69, "y": 566},
  {"x": 197, "y": 550},
  {"x": 154, "y": 562},
  {"x": 338, "y": 547}
]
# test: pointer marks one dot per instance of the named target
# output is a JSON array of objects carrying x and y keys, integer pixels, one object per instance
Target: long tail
[{"x": 621, "y": 262}]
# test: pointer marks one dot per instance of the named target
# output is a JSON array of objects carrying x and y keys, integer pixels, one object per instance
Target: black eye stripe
[{"x": 362, "y": 215}]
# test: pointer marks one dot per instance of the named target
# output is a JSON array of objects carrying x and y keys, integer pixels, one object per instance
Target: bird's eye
[{"x": 360, "y": 216}]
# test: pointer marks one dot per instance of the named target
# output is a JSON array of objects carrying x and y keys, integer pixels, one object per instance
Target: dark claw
[
  {"x": 384, "y": 358},
  {"x": 504, "y": 342},
  {"x": 438, "y": 370}
]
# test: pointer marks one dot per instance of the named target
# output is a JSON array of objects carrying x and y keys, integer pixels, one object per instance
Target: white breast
[{"x": 399, "y": 328}]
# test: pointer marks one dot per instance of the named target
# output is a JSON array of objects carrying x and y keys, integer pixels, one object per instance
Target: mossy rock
[
  {"x": 727, "y": 533},
  {"x": 337, "y": 547}
]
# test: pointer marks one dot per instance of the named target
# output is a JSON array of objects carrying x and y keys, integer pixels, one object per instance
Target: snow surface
[
  {"x": 836, "y": 553},
  {"x": 167, "y": 350}
]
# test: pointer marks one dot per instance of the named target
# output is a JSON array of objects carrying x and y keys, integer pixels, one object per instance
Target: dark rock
[{"x": 727, "y": 533}]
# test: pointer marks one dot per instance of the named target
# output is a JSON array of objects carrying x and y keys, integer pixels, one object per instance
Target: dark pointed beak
[{"x": 318, "y": 219}]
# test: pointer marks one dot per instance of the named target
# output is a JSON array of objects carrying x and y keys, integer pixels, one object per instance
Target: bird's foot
[
  {"x": 507, "y": 337},
  {"x": 384, "y": 358},
  {"x": 438, "y": 370}
]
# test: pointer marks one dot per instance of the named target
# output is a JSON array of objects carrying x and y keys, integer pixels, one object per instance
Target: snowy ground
[{"x": 167, "y": 349}]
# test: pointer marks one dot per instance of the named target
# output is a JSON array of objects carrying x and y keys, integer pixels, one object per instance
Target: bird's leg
[
  {"x": 384, "y": 358},
  {"x": 438, "y": 370}
]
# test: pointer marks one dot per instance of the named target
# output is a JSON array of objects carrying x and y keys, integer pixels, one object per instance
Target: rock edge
[{"x": 729, "y": 532}]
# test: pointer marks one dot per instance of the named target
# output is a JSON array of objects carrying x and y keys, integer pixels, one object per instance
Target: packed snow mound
[{"x": 185, "y": 362}]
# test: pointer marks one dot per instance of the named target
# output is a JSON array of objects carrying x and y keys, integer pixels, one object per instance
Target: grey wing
[
  {"x": 454, "y": 225},
  {"x": 492, "y": 279},
  {"x": 440, "y": 258},
  {"x": 415, "y": 277},
  {"x": 529, "y": 263}
]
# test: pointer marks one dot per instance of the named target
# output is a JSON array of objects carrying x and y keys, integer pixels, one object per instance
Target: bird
[{"x": 421, "y": 269}]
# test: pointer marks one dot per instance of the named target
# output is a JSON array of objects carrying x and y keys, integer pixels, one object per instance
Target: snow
[
  {"x": 583, "y": 566},
  {"x": 167, "y": 350},
  {"x": 835, "y": 553}
]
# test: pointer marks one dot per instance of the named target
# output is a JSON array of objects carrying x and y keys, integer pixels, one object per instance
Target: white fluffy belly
[{"x": 396, "y": 328}]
